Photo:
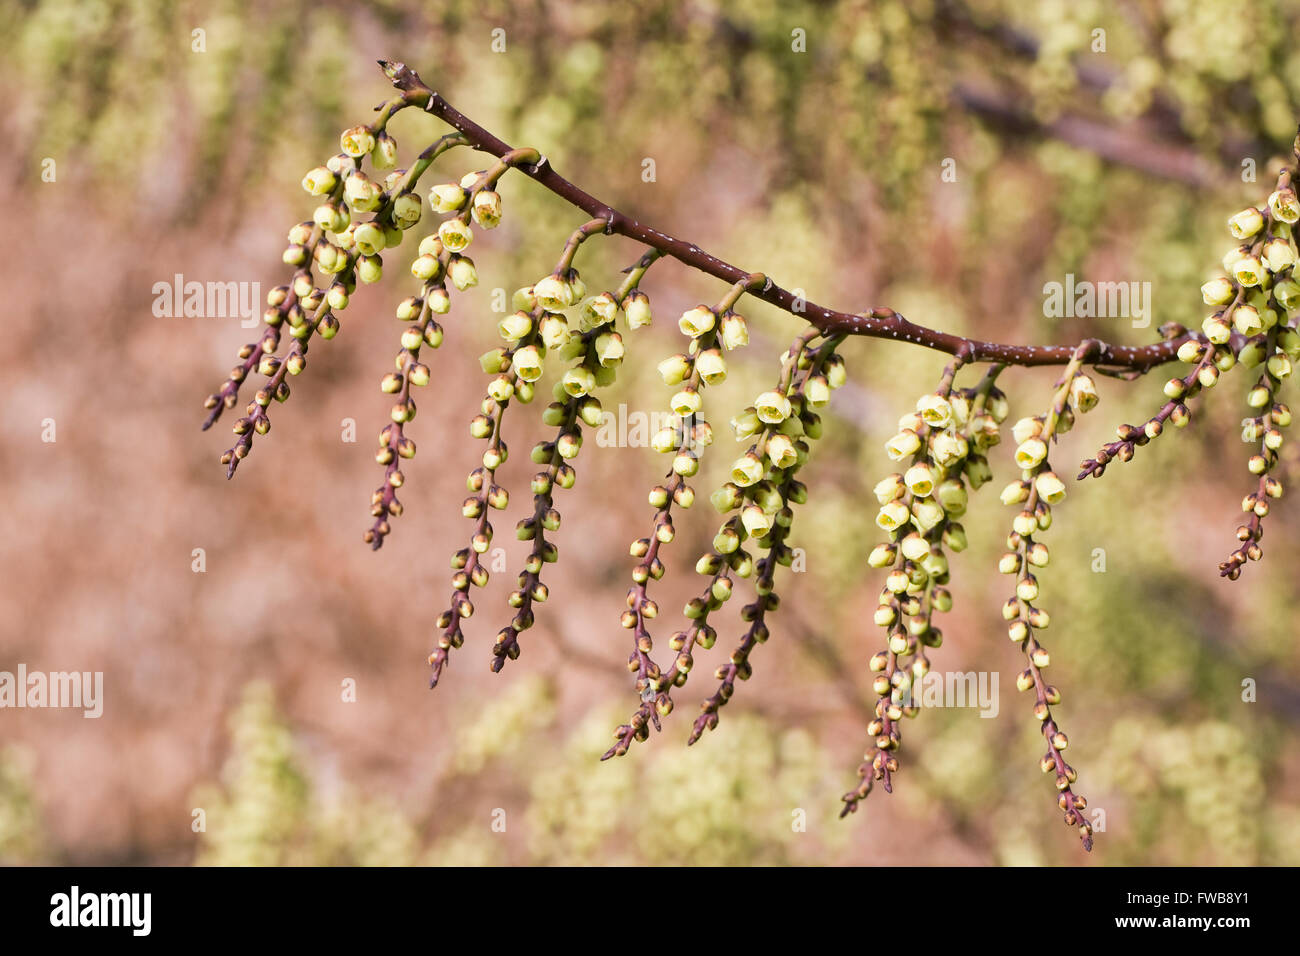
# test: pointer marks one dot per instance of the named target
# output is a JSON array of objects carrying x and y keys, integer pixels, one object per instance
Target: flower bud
[
  {"x": 1278, "y": 255},
  {"x": 747, "y": 470},
  {"x": 756, "y": 521},
  {"x": 920, "y": 479},
  {"x": 487, "y": 208},
  {"x": 927, "y": 513},
  {"x": 370, "y": 269},
  {"x": 902, "y": 445},
  {"x": 735, "y": 333},
  {"x": 383, "y": 155},
  {"x": 893, "y": 516},
  {"x": 361, "y": 194},
  {"x": 1246, "y": 223},
  {"x": 1050, "y": 488},
  {"x": 1246, "y": 320},
  {"x": 357, "y": 141},
  {"x": 697, "y": 321},
  {"x": 1218, "y": 291},
  {"x": 947, "y": 448},
  {"x": 462, "y": 273},
  {"x": 934, "y": 410},
  {"x": 455, "y": 235},
  {"x": 882, "y": 556},
  {"x": 780, "y": 451},
  {"x": 1083, "y": 392},
  {"x": 1031, "y": 453},
  {"x": 711, "y": 366},
  {"x": 674, "y": 369},
  {"x": 637, "y": 309},
  {"x": 446, "y": 197},
  {"x": 1284, "y": 206},
  {"x": 1015, "y": 493},
  {"x": 1248, "y": 271},
  {"x": 772, "y": 407},
  {"x": 319, "y": 181},
  {"x": 577, "y": 382},
  {"x": 817, "y": 390},
  {"x": 610, "y": 349},
  {"x": 952, "y": 497},
  {"x": 1026, "y": 429},
  {"x": 527, "y": 363},
  {"x": 1287, "y": 294},
  {"x": 745, "y": 424}
]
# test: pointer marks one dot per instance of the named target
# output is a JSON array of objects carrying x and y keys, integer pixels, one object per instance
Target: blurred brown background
[{"x": 821, "y": 167}]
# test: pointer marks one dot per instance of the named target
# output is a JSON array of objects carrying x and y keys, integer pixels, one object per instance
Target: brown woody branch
[{"x": 877, "y": 323}]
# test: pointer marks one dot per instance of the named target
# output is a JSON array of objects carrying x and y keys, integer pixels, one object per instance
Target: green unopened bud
[
  {"x": 952, "y": 496},
  {"x": 954, "y": 537},
  {"x": 384, "y": 153},
  {"x": 370, "y": 269},
  {"x": 1287, "y": 294},
  {"x": 407, "y": 210},
  {"x": 369, "y": 238},
  {"x": 1246, "y": 320}
]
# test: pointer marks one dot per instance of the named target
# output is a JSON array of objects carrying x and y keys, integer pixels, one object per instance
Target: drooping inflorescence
[{"x": 941, "y": 448}]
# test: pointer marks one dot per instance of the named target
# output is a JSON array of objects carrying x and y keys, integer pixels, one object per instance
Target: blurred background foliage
[{"x": 1115, "y": 156}]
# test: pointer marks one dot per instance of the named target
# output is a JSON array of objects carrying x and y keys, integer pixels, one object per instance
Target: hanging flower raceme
[
  {"x": 942, "y": 446},
  {"x": 1037, "y": 490}
]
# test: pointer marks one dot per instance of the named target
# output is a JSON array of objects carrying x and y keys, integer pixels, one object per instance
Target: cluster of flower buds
[
  {"x": 1034, "y": 494},
  {"x": 757, "y": 502},
  {"x": 943, "y": 444}
]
